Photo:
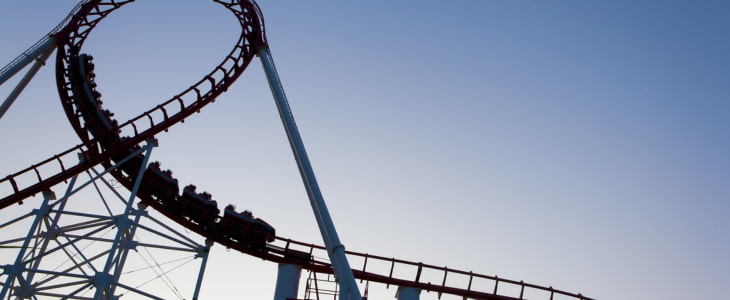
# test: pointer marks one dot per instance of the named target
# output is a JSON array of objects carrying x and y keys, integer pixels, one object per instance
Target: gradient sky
[{"x": 576, "y": 144}]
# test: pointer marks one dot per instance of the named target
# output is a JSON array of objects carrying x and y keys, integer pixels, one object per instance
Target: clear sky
[{"x": 576, "y": 144}]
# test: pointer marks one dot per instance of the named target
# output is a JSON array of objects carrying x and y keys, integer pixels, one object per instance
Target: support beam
[
  {"x": 203, "y": 252},
  {"x": 15, "y": 271},
  {"x": 105, "y": 281},
  {"x": 40, "y": 55},
  {"x": 335, "y": 249},
  {"x": 287, "y": 282},
  {"x": 408, "y": 293},
  {"x": 24, "y": 59}
]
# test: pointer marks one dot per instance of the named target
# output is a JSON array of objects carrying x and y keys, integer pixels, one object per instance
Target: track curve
[{"x": 103, "y": 143}]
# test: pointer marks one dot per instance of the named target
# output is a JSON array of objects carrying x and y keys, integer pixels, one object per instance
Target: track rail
[
  {"x": 404, "y": 273},
  {"x": 108, "y": 143}
]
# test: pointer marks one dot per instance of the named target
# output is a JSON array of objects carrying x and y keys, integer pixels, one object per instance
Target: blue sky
[{"x": 576, "y": 144}]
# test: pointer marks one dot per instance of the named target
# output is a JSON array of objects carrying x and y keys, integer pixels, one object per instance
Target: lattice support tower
[{"x": 71, "y": 252}]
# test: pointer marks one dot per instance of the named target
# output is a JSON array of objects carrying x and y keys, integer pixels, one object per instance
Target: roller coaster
[{"x": 123, "y": 150}]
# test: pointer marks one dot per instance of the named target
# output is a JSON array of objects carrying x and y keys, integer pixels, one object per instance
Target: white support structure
[
  {"x": 15, "y": 271},
  {"x": 335, "y": 249},
  {"x": 105, "y": 281},
  {"x": 287, "y": 282},
  {"x": 77, "y": 247}
]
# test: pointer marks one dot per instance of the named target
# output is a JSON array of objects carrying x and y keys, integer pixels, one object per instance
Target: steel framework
[{"x": 80, "y": 252}]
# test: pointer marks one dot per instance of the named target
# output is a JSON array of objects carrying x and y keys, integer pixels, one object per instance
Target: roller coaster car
[
  {"x": 298, "y": 257},
  {"x": 199, "y": 208},
  {"x": 161, "y": 186},
  {"x": 98, "y": 122},
  {"x": 245, "y": 229},
  {"x": 119, "y": 156},
  {"x": 82, "y": 75}
]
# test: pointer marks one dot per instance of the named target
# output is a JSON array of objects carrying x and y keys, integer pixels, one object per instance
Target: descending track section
[{"x": 115, "y": 146}]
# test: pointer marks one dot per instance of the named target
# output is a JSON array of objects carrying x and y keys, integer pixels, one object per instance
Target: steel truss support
[{"x": 80, "y": 248}]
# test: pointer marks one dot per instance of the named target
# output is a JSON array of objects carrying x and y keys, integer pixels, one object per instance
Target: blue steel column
[
  {"x": 19, "y": 63},
  {"x": 203, "y": 252},
  {"x": 408, "y": 293},
  {"x": 335, "y": 249},
  {"x": 40, "y": 57},
  {"x": 287, "y": 282}
]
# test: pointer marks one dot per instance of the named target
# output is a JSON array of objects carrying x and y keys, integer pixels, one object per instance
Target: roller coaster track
[{"x": 106, "y": 142}]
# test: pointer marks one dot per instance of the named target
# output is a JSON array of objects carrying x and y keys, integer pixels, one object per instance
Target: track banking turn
[{"x": 115, "y": 145}]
